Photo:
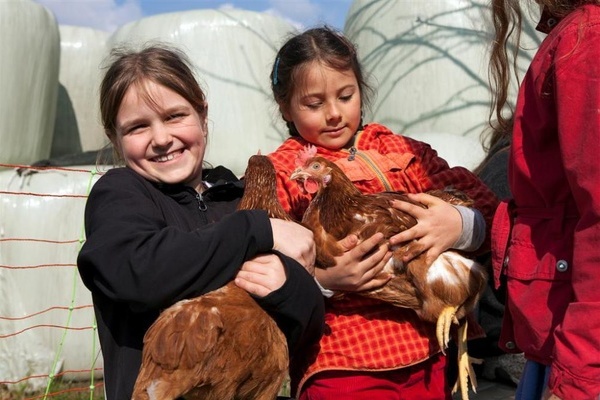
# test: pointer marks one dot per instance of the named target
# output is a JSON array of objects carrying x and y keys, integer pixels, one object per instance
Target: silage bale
[
  {"x": 78, "y": 127},
  {"x": 29, "y": 62},
  {"x": 429, "y": 62}
]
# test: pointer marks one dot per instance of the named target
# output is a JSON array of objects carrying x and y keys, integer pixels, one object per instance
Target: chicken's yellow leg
[
  {"x": 444, "y": 322},
  {"x": 465, "y": 367}
]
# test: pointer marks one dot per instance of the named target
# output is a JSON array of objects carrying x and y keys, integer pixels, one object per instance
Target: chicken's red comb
[{"x": 309, "y": 151}]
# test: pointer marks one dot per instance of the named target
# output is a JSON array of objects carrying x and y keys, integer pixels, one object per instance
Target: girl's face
[
  {"x": 325, "y": 107},
  {"x": 161, "y": 136}
]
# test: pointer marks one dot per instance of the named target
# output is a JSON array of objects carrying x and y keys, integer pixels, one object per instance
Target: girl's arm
[
  {"x": 294, "y": 241},
  {"x": 441, "y": 226},
  {"x": 131, "y": 255}
]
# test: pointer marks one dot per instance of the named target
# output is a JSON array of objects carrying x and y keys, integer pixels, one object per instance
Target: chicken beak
[{"x": 298, "y": 175}]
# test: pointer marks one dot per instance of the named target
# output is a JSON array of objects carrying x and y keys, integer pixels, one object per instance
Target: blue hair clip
[{"x": 275, "y": 69}]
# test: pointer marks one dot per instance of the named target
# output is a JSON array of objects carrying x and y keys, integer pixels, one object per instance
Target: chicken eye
[{"x": 315, "y": 166}]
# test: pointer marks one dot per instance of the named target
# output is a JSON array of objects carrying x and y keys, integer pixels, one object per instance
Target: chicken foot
[
  {"x": 444, "y": 322},
  {"x": 465, "y": 365}
]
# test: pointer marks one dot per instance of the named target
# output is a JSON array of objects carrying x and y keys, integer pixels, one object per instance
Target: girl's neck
[{"x": 202, "y": 186}]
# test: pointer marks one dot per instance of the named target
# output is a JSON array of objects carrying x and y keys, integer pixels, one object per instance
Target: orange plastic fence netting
[{"x": 48, "y": 338}]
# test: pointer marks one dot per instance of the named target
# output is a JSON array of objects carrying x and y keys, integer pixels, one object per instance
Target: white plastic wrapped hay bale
[
  {"x": 46, "y": 317},
  {"x": 457, "y": 150},
  {"x": 428, "y": 60},
  {"x": 30, "y": 51},
  {"x": 78, "y": 127},
  {"x": 232, "y": 51}
]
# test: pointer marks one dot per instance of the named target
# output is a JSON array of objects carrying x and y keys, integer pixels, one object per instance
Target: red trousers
[{"x": 424, "y": 381}]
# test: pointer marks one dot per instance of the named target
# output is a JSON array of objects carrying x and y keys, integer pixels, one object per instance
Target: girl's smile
[{"x": 166, "y": 158}]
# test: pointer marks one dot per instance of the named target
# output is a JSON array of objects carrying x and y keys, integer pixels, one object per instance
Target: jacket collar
[
  {"x": 547, "y": 21},
  {"x": 221, "y": 180}
]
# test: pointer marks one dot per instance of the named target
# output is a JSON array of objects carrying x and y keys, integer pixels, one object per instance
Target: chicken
[
  {"x": 220, "y": 345},
  {"x": 260, "y": 188},
  {"x": 443, "y": 292}
]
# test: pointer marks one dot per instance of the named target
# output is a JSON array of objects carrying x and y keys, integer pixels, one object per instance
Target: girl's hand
[
  {"x": 439, "y": 226},
  {"x": 295, "y": 241},
  {"x": 261, "y": 275},
  {"x": 359, "y": 268}
]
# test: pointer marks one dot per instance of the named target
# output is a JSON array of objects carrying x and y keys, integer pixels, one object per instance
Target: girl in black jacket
[{"x": 163, "y": 228}]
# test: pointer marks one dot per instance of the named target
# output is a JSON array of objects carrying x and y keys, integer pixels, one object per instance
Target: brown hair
[
  {"x": 161, "y": 64},
  {"x": 322, "y": 44}
]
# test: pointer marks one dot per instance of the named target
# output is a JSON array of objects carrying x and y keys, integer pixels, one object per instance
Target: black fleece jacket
[{"x": 150, "y": 245}]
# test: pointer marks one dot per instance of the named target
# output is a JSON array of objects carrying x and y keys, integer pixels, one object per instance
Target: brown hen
[
  {"x": 443, "y": 292},
  {"x": 220, "y": 345}
]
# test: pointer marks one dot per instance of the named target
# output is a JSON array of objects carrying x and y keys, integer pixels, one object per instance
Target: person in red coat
[{"x": 546, "y": 239}]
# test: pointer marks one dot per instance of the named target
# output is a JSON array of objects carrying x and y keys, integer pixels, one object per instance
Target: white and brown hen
[
  {"x": 220, "y": 345},
  {"x": 443, "y": 292}
]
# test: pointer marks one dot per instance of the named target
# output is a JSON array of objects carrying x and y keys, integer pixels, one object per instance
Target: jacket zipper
[
  {"x": 201, "y": 204},
  {"x": 382, "y": 178}
]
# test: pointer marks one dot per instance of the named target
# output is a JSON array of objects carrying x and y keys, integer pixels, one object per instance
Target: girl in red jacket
[
  {"x": 546, "y": 239},
  {"x": 371, "y": 350}
]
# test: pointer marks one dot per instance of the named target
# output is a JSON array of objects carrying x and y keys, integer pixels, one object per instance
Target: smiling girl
[{"x": 162, "y": 228}]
